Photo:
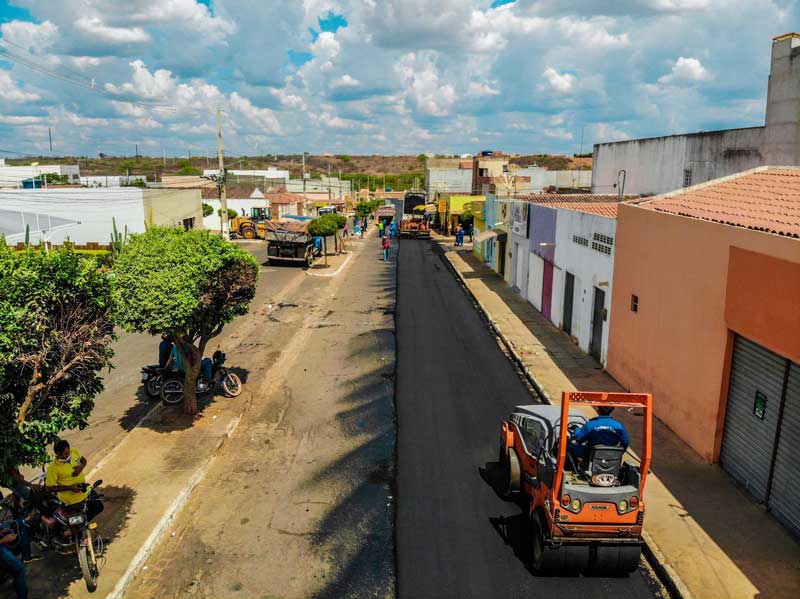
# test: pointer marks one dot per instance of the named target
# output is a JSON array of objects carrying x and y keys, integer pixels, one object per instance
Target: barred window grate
[
  {"x": 600, "y": 238},
  {"x": 601, "y": 247},
  {"x": 580, "y": 240}
]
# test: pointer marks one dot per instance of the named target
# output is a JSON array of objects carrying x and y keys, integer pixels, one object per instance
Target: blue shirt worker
[{"x": 603, "y": 429}]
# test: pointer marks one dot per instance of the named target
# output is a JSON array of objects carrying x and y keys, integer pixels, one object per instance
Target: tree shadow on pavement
[
  {"x": 52, "y": 576},
  {"x": 169, "y": 419}
]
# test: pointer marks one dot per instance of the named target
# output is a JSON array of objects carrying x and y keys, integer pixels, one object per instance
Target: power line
[{"x": 91, "y": 85}]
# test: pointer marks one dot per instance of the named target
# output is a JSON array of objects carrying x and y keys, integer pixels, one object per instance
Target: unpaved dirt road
[{"x": 299, "y": 502}]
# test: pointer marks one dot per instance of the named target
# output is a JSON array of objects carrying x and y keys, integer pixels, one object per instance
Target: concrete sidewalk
[{"x": 710, "y": 538}]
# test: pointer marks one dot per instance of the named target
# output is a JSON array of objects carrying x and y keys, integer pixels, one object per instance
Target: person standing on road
[
  {"x": 381, "y": 227},
  {"x": 386, "y": 244},
  {"x": 459, "y": 235},
  {"x": 471, "y": 232},
  {"x": 357, "y": 230}
]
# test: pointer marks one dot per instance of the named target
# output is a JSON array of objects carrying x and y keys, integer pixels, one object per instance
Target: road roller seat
[{"x": 603, "y": 464}]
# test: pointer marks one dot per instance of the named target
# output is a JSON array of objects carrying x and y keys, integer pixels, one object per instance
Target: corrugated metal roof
[{"x": 762, "y": 199}]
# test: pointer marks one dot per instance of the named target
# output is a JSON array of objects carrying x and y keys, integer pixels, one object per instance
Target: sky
[{"x": 377, "y": 76}]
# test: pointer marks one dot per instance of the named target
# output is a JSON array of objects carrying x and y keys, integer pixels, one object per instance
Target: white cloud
[
  {"x": 563, "y": 83},
  {"x": 260, "y": 117},
  {"x": 31, "y": 36},
  {"x": 93, "y": 27},
  {"x": 686, "y": 70},
  {"x": 345, "y": 81},
  {"x": 559, "y": 134},
  {"x": 481, "y": 89},
  {"x": 288, "y": 100},
  {"x": 10, "y": 92},
  {"x": 424, "y": 90}
]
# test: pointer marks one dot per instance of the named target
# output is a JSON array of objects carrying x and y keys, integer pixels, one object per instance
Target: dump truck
[
  {"x": 386, "y": 213},
  {"x": 584, "y": 514},
  {"x": 415, "y": 227},
  {"x": 288, "y": 240},
  {"x": 251, "y": 227}
]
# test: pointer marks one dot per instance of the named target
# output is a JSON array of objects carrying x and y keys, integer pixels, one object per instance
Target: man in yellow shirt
[{"x": 65, "y": 474}]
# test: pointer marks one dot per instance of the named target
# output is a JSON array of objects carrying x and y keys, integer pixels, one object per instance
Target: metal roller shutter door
[
  {"x": 784, "y": 497},
  {"x": 748, "y": 441}
]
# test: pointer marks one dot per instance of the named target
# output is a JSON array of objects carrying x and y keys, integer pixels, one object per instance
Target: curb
[
  {"x": 655, "y": 558},
  {"x": 150, "y": 544}
]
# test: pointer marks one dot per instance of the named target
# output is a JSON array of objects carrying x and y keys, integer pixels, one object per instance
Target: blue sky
[{"x": 379, "y": 76}]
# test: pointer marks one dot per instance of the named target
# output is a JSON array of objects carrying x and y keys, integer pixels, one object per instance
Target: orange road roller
[{"x": 585, "y": 501}]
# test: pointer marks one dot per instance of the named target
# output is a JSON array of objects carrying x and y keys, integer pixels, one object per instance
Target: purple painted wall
[{"x": 543, "y": 230}]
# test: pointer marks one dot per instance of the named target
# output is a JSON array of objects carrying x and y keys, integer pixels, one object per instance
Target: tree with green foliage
[
  {"x": 344, "y": 158},
  {"x": 189, "y": 171},
  {"x": 231, "y": 213},
  {"x": 363, "y": 209},
  {"x": 55, "y": 179},
  {"x": 189, "y": 284},
  {"x": 208, "y": 209},
  {"x": 55, "y": 338},
  {"x": 140, "y": 183},
  {"x": 326, "y": 226},
  {"x": 422, "y": 158}
]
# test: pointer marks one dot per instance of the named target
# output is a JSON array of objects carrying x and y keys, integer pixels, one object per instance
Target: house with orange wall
[{"x": 706, "y": 313}]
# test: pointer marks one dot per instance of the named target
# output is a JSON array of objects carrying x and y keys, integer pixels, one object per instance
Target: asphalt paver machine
[{"x": 584, "y": 514}]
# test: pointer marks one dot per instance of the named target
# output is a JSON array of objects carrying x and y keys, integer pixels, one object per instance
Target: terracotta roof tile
[
  {"x": 607, "y": 209},
  {"x": 284, "y": 198},
  {"x": 765, "y": 200},
  {"x": 572, "y": 198}
]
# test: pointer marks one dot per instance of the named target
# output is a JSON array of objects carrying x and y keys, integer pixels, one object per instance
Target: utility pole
[
  {"x": 190, "y": 157},
  {"x": 223, "y": 193},
  {"x": 164, "y": 154},
  {"x": 137, "y": 151},
  {"x": 304, "y": 172},
  {"x": 50, "y": 137}
]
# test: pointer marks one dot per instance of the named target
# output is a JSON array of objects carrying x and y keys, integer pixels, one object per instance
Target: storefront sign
[
  {"x": 443, "y": 206},
  {"x": 519, "y": 218}
]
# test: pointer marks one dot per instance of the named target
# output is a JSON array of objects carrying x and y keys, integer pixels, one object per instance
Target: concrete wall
[
  {"x": 170, "y": 207},
  {"x": 11, "y": 176},
  {"x": 572, "y": 179},
  {"x": 782, "y": 135},
  {"x": 656, "y": 165},
  {"x": 590, "y": 267},
  {"x": 675, "y": 345},
  {"x": 447, "y": 180}
]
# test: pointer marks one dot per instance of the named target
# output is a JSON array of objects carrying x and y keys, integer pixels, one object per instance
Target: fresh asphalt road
[{"x": 455, "y": 536}]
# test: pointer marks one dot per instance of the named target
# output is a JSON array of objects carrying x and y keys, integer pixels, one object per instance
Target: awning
[{"x": 484, "y": 235}]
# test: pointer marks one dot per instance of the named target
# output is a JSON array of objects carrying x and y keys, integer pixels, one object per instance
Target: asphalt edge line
[
  {"x": 653, "y": 554},
  {"x": 334, "y": 273},
  {"x": 155, "y": 536}
]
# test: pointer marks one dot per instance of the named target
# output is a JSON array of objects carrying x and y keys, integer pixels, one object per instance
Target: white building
[
  {"x": 13, "y": 176},
  {"x": 87, "y": 215},
  {"x": 583, "y": 273},
  {"x": 518, "y": 247},
  {"x": 663, "y": 164}
]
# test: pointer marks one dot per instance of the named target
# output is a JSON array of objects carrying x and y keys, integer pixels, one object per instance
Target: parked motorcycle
[
  {"x": 63, "y": 528},
  {"x": 152, "y": 379},
  {"x": 173, "y": 382}
]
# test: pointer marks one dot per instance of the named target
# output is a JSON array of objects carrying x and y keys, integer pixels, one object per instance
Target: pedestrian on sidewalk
[
  {"x": 357, "y": 230},
  {"x": 459, "y": 235},
  {"x": 381, "y": 227},
  {"x": 471, "y": 231},
  {"x": 386, "y": 245},
  {"x": 344, "y": 231}
]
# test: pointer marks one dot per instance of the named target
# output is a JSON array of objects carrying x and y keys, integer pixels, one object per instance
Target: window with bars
[
  {"x": 580, "y": 240},
  {"x": 601, "y": 247},
  {"x": 687, "y": 177},
  {"x": 600, "y": 238}
]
